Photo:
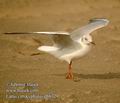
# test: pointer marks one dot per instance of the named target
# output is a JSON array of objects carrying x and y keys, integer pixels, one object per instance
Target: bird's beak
[{"x": 93, "y": 43}]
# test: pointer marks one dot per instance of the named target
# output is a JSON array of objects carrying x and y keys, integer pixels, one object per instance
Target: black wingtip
[
  {"x": 103, "y": 20},
  {"x": 16, "y": 33},
  {"x": 97, "y": 19}
]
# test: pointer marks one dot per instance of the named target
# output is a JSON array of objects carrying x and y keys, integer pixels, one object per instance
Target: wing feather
[
  {"x": 94, "y": 24},
  {"x": 47, "y": 33},
  {"x": 60, "y": 38}
]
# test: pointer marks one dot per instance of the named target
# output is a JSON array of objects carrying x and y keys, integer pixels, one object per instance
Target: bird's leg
[{"x": 69, "y": 74}]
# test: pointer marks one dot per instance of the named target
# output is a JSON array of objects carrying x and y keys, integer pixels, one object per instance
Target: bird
[{"x": 68, "y": 46}]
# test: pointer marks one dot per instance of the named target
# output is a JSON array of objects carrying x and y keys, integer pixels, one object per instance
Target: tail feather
[{"x": 47, "y": 48}]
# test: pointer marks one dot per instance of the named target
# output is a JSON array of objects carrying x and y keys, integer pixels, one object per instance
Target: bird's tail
[{"x": 47, "y": 48}]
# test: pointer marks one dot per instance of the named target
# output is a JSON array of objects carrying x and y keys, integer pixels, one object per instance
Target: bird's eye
[{"x": 86, "y": 39}]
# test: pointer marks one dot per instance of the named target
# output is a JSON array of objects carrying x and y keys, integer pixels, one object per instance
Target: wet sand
[{"x": 97, "y": 75}]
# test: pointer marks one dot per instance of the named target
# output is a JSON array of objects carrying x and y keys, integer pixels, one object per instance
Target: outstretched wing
[
  {"x": 93, "y": 25},
  {"x": 60, "y": 39},
  {"x": 51, "y": 33}
]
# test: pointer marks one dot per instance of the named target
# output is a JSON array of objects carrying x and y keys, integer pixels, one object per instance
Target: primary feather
[{"x": 93, "y": 25}]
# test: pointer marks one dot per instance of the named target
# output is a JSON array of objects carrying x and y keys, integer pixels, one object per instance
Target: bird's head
[{"x": 87, "y": 39}]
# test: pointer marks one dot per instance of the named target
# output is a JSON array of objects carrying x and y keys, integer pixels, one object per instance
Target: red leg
[{"x": 69, "y": 74}]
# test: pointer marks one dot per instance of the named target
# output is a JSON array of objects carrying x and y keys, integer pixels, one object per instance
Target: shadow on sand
[{"x": 94, "y": 76}]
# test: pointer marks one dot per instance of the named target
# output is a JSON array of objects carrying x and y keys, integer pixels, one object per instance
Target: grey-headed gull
[{"x": 69, "y": 46}]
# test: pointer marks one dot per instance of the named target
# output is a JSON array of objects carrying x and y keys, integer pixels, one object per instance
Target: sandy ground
[{"x": 97, "y": 75}]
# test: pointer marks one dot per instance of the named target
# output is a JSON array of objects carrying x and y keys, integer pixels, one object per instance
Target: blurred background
[{"x": 97, "y": 74}]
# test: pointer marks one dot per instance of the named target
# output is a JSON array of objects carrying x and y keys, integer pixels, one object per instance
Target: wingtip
[{"x": 106, "y": 21}]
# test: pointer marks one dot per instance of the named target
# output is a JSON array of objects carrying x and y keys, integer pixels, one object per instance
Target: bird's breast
[{"x": 76, "y": 53}]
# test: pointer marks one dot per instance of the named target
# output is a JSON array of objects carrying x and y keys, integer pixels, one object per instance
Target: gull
[{"x": 69, "y": 46}]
